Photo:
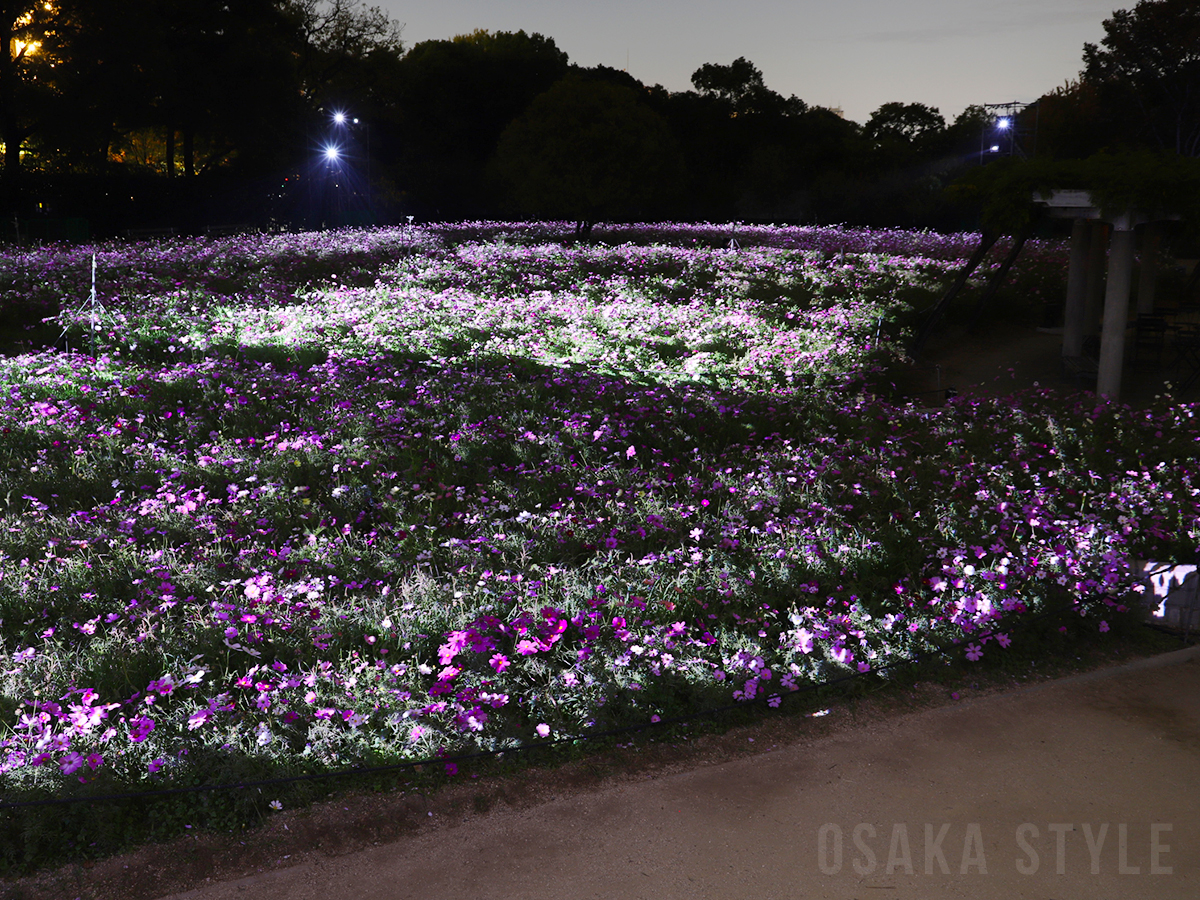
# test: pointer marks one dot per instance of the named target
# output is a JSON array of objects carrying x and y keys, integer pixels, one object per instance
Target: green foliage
[{"x": 1005, "y": 191}]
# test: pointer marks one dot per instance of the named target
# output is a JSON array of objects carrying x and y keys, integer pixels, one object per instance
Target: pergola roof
[{"x": 1080, "y": 205}]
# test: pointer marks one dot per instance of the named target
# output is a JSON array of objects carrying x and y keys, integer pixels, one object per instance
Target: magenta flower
[
  {"x": 198, "y": 718},
  {"x": 72, "y": 762},
  {"x": 140, "y": 729},
  {"x": 974, "y": 652},
  {"x": 499, "y": 662}
]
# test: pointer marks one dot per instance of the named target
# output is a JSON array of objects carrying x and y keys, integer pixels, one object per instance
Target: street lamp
[{"x": 342, "y": 121}]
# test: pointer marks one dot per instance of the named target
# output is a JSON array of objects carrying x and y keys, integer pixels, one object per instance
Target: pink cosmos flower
[
  {"x": 543, "y": 730},
  {"x": 804, "y": 640},
  {"x": 198, "y": 718},
  {"x": 140, "y": 728},
  {"x": 974, "y": 652},
  {"x": 72, "y": 762}
]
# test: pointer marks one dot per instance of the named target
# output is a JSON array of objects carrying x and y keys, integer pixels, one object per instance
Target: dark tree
[
  {"x": 740, "y": 85},
  {"x": 1147, "y": 70},
  {"x": 905, "y": 123},
  {"x": 34, "y": 34},
  {"x": 343, "y": 45},
  {"x": 226, "y": 81},
  {"x": 732, "y": 83},
  {"x": 1071, "y": 122},
  {"x": 588, "y": 150},
  {"x": 453, "y": 99}
]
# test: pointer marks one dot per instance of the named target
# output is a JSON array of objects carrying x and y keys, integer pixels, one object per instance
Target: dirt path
[
  {"x": 1085, "y": 788},
  {"x": 1006, "y": 358}
]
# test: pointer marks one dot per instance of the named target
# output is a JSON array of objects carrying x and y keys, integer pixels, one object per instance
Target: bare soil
[{"x": 1004, "y": 357}]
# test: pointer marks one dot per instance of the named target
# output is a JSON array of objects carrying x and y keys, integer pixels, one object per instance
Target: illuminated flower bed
[{"x": 363, "y": 497}]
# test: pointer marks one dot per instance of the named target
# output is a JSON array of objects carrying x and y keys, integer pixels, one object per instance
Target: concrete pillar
[
  {"x": 1073, "y": 314},
  {"x": 1116, "y": 314},
  {"x": 1094, "y": 290},
  {"x": 1148, "y": 270}
]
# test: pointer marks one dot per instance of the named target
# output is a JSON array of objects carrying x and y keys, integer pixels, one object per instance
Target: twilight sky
[{"x": 853, "y": 54}]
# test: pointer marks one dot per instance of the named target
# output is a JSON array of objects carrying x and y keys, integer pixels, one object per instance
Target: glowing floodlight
[
  {"x": 332, "y": 153},
  {"x": 339, "y": 118},
  {"x": 995, "y": 148},
  {"x": 1004, "y": 123}
]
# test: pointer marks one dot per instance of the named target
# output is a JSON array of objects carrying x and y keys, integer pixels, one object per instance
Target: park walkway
[{"x": 1080, "y": 788}]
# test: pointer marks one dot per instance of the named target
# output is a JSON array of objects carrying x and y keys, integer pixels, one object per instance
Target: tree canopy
[
  {"x": 1147, "y": 69},
  {"x": 452, "y": 99},
  {"x": 172, "y": 100},
  {"x": 906, "y": 122},
  {"x": 588, "y": 149}
]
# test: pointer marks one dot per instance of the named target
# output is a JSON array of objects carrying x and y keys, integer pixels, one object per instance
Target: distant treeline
[{"x": 194, "y": 114}]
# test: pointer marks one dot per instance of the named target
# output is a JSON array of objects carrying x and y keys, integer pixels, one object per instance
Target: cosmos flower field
[{"x": 355, "y": 498}]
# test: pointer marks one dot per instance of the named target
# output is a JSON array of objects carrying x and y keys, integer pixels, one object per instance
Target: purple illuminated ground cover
[{"x": 366, "y": 496}]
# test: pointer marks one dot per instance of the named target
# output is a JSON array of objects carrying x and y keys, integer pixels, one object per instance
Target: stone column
[
  {"x": 1148, "y": 270},
  {"x": 1094, "y": 290},
  {"x": 1116, "y": 313},
  {"x": 1073, "y": 314}
]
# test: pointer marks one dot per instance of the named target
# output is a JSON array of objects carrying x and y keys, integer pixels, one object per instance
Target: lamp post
[
  {"x": 331, "y": 154},
  {"x": 1004, "y": 132},
  {"x": 348, "y": 124}
]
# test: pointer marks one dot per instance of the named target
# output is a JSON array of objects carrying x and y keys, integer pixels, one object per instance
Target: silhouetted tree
[
  {"x": 1071, "y": 122},
  {"x": 740, "y": 85},
  {"x": 588, "y": 150},
  {"x": 904, "y": 123},
  {"x": 1147, "y": 71},
  {"x": 453, "y": 99},
  {"x": 343, "y": 45}
]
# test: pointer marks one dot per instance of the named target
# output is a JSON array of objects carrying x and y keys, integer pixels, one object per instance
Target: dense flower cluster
[{"x": 330, "y": 497}]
